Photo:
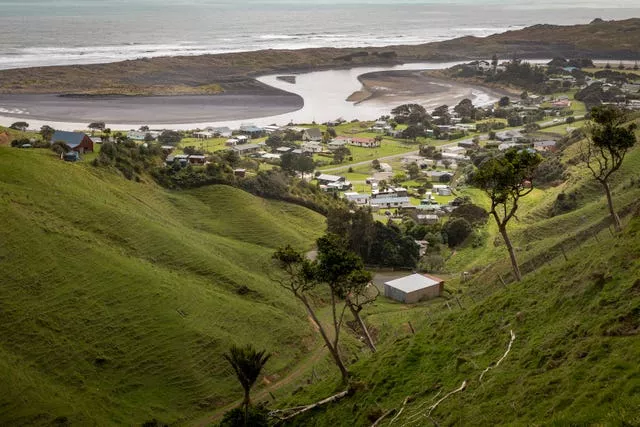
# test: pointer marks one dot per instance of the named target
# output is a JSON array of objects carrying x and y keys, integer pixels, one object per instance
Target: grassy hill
[
  {"x": 118, "y": 298},
  {"x": 576, "y": 322}
]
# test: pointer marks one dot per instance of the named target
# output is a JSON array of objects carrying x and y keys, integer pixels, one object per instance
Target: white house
[
  {"x": 414, "y": 288},
  {"x": 364, "y": 142},
  {"x": 357, "y": 198},
  {"x": 311, "y": 147},
  {"x": 312, "y": 134}
]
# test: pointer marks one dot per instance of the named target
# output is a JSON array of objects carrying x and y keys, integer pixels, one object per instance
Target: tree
[
  {"x": 22, "y": 126},
  {"x": 247, "y": 364},
  {"x": 376, "y": 164},
  {"x": 362, "y": 293},
  {"x": 413, "y": 170},
  {"x": 494, "y": 62},
  {"x": 504, "y": 101},
  {"x": 170, "y": 137},
  {"x": 60, "y": 147},
  {"x": 47, "y": 132},
  {"x": 274, "y": 141},
  {"x": 301, "y": 276},
  {"x": 96, "y": 126},
  {"x": 457, "y": 231},
  {"x": 506, "y": 179},
  {"x": 465, "y": 109},
  {"x": 410, "y": 114},
  {"x": 343, "y": 271},
  {"x": 340, "y": 154},
  {"x": 605, "y": 148}
]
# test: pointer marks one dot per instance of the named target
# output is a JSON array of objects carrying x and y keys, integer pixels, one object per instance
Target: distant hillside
[
  {"x": 576, "y": 323},
  {"x": 118, "y": 298},
  {"x": 234, "y": 72}
]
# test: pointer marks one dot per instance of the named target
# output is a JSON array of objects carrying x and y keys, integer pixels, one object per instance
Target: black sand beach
[
  {"x": 411, "y": 86},
  {"x": 149, "y": 109}
]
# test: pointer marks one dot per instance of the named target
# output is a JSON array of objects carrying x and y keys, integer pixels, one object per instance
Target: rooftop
[{"x": 414, "y": 282}]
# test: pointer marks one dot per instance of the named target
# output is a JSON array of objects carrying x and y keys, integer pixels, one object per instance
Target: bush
[
  {"x": 564, "y": 203},
  {"x": 457, "y": 230},
  {"x": 257, "y": 417},
  {"x": 473, "y": 214},
  {"x": 432, "y": 263}
]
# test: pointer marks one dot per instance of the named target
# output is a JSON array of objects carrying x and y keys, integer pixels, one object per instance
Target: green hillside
[
  {"x": 575, "y": 357},
  {"x": 118, "y": 298}
]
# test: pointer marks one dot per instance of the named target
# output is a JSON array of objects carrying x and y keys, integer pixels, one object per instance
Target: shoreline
[{"x": 228, "y": 72}]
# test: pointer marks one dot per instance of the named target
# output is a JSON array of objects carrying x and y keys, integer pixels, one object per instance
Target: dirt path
[{"x": 300, "y": 370}]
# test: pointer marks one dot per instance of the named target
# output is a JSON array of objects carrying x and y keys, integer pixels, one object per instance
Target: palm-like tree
[{"x": 247, "y": 364}]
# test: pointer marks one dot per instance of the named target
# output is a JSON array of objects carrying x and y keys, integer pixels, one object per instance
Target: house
[
  {"x": 510, "y": 136},
  {"x": 251, "y": 131},
  {"x": 203, "y": 135},
  {"x": 545, "y": 145},
  {"x": 136, "y": 135},
  {"x": 386, "y": 167},
  {"x": 246, "y": 149},
  {"x": 338, "y": 142},
  {"x": 312, "y": 134},
  {"x": 223, "y": 132},
  {"x": 414, "y": 288},
  {"x": 390, "y": 198},
  {"x": 270, "y": 156},
  {"x": 311, "y": 147},
  {"x": 364, "y": 142},
  {"x": 283, "y": 149},
  {"x": 196, "y": 159},
  {"x": 231, "y": 142},
  {"x": 440, "y": 176},
  {"x": 96, "y": 139},
  {"x": 240, "y": 173},
  {"x": 242, "y": 139},
  {"x": 77, "y": 141},
  {"x": 357, "y": 198},
  {"x": 329, "y": 179},
  {"x": 442, "y": 190}
]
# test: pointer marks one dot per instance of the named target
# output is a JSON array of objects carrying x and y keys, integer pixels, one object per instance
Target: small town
[{"x": 463, "y": 262}]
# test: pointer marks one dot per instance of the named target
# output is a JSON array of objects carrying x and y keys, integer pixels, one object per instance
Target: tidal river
[{"x": 318, "y": 96}]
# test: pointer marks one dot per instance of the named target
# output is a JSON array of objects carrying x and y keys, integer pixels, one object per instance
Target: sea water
[{"x": 60, "y": 32}]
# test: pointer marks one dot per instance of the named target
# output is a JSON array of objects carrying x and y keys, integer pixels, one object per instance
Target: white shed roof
[{"x": 414, "y": 282}]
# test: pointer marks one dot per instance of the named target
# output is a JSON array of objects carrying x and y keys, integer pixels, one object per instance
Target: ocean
[{"x": 59, "y": 32}]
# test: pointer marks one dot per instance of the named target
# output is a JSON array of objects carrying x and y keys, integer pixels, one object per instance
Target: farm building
[
  {"x": 77, "y": 141},
  {"x": 414, "y": 288}
]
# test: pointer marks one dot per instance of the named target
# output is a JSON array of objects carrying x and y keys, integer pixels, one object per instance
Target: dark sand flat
[{"x": 149, "y": 109}]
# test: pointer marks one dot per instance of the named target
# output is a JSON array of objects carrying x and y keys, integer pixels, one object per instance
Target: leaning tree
[
  {"x": 606, "y": 146},
  {"x": 506, "y": 179}
]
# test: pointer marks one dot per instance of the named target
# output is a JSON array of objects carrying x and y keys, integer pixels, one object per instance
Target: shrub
[
  {"x": 432, "y": 263},
  {"x": 473, "y": 214},
  {"x": 564, "y": 203},
  {"x": 457, "y": 230},
  {"x": 257, "y": 417}
]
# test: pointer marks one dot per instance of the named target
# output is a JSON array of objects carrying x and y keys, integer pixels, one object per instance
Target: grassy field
[
  {"x": 118, "y": 298},
  {"x": 576, "y": 323}
]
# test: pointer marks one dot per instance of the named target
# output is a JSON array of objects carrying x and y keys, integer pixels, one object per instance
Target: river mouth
[{"x": 318, "y": 96}]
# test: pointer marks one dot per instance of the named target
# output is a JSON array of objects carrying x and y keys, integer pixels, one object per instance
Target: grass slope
[
  {"x": 117, "y": 298},
  {"x": 577, "y": 326}
]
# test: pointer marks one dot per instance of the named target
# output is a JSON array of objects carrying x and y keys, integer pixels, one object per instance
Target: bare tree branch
[{"x": 513, "y": 338}]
